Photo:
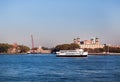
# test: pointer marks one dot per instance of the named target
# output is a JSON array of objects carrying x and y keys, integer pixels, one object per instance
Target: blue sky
[{"x": 53, "y": 22}]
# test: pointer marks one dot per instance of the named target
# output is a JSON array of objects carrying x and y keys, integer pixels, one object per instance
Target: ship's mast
[{"x": 32, "y": 41}]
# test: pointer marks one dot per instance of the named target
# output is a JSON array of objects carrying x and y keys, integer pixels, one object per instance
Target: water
[{"x": 49, "y": 68}]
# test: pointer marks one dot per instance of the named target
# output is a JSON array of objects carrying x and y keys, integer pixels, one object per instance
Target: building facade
[{"x": 92, "y": 43}]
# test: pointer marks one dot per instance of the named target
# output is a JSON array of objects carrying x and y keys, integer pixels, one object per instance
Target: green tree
[
  {"x": 45, "y": 48},
  {"x": 4, "y": 47},
  {"x": 114, "y": 49},
  {"x": 23, "y": 49},
  {"x": 63, "y": 47},
  {"x": 74, "y": 46},
  {"x": 66, "y": 47}
]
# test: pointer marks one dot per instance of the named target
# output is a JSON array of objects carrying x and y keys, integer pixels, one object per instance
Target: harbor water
[{"x": 49, "y": 68}]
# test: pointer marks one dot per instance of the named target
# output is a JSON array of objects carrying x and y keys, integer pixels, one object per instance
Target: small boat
[{"x": 72, "y": 53}]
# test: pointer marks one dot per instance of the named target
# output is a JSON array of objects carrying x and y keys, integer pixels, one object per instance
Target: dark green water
[{"x": 49, "y": 68}]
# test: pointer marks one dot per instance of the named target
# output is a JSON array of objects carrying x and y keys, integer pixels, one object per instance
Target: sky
[{"x": 53, "y": 22}]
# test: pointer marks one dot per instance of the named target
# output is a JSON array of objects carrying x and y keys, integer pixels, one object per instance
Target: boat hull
[{"x": 71, "y": 55}]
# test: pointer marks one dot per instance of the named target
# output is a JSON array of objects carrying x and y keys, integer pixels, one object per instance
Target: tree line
[
  {"x": 90, "y": 50},
  {"x": 105, "y": 50},
  {"x": 8, "y": 48},
  {"x": 71, "y": 46}
]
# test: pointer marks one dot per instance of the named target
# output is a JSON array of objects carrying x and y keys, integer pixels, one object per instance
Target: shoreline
[
  {"x": 103, "y": 53},
  {"x": 53, "y": 53}
]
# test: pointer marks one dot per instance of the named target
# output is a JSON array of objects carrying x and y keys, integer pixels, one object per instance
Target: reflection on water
[{"x": 45, "y": 68}]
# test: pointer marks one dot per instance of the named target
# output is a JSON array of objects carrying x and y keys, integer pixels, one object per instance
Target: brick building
[{"x": 92, "y": 43}]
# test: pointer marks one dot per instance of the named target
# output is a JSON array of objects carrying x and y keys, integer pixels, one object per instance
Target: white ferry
[{"x": 72, "y": 53}]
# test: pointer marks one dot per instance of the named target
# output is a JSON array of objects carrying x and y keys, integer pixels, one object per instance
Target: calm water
[{"x": 48, "y": 68}]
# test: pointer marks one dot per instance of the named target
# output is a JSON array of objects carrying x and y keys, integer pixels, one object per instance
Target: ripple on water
[{"x": 45, "y": 68}]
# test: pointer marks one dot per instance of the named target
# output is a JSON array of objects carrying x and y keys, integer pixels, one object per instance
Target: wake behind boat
[{"x": 72, "y": 53}]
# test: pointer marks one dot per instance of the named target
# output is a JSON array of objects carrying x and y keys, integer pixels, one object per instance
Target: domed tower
[
  {"x": 92, "y": 41},
  {"x": 74, "y": 41},
  {"x": 97, "y": 41},
  {"x": 78, "y": 41}
]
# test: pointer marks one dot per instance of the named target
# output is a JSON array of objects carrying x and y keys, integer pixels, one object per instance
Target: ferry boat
[{"x": 72, "y": 53}]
